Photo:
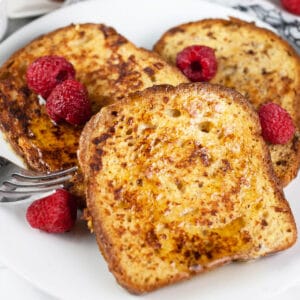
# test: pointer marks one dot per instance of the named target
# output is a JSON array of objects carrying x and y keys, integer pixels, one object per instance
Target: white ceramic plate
[{"x": 69, "y": 266}]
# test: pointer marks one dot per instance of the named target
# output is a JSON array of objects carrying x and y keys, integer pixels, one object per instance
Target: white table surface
[{"x": 12, "y": 286}]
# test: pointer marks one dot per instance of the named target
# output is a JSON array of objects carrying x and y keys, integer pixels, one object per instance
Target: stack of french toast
[{"x": 176, "y": 175}]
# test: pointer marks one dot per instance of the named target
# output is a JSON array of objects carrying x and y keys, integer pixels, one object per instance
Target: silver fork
[{"x": 17, "y": 183}]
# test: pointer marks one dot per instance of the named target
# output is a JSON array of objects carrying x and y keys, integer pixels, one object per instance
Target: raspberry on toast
[
  {"x": 179, "y": 181},
  {"x": 254, "y": 61},
  {"x": 108, "y": 65}
]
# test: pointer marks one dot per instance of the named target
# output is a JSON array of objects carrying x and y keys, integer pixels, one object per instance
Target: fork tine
[
  {"x": 24, "y": 177},
  {"x": 27, "y": 193},
  {"x": 13, "y": 200},
  {"x": 18, "y": 184}
]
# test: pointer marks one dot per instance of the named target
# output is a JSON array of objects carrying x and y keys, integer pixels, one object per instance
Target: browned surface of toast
[
  {"x": 179, "y": 181},
  {"x": 106, "y": 63},
  {"x": 255, "y": 62}
]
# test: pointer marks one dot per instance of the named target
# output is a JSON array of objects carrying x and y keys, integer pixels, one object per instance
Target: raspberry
[
  {"x": 293, "y": 6},
  {"x": 45, "y": 73},
  {"x": 69, "y": 101},
  {"x": 198, "y": 63},
  {"x": 276, "y": 124},
  {"x": 56, "y": 213}
]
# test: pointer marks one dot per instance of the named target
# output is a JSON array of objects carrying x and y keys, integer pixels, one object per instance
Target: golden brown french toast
[
  {"x": 254, "y": 61},
  {"x": 179, "y": 181},
  {"x": 108, "y": 65}
]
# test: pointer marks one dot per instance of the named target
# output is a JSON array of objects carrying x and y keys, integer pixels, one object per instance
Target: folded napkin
[
  {"x": 3, "y": 18},
  {"x": 23, "y": 8}
]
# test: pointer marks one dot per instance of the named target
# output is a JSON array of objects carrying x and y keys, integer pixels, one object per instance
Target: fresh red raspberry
[
  {"x": 293, "y": 6},
  {"x": 45, "y": 73},
  {"x": 69, "y": 101},
  {"x": 56, "y": 213},
  {"x": 276, "y": 124},
  {"x": 197, "y": 63}
]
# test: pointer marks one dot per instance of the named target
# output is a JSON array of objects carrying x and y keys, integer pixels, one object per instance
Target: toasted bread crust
[
  {"x": 95, "y": 135},
  {"x": 253, "y": 44},
  {"x": 106, "y": 63}
]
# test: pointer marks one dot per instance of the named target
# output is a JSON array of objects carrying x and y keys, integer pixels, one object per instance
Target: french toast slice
[
  {"x": 108, "y": 65},
  {"x": 179, "y": 181},
  {"x": 254, "y": 61}
]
